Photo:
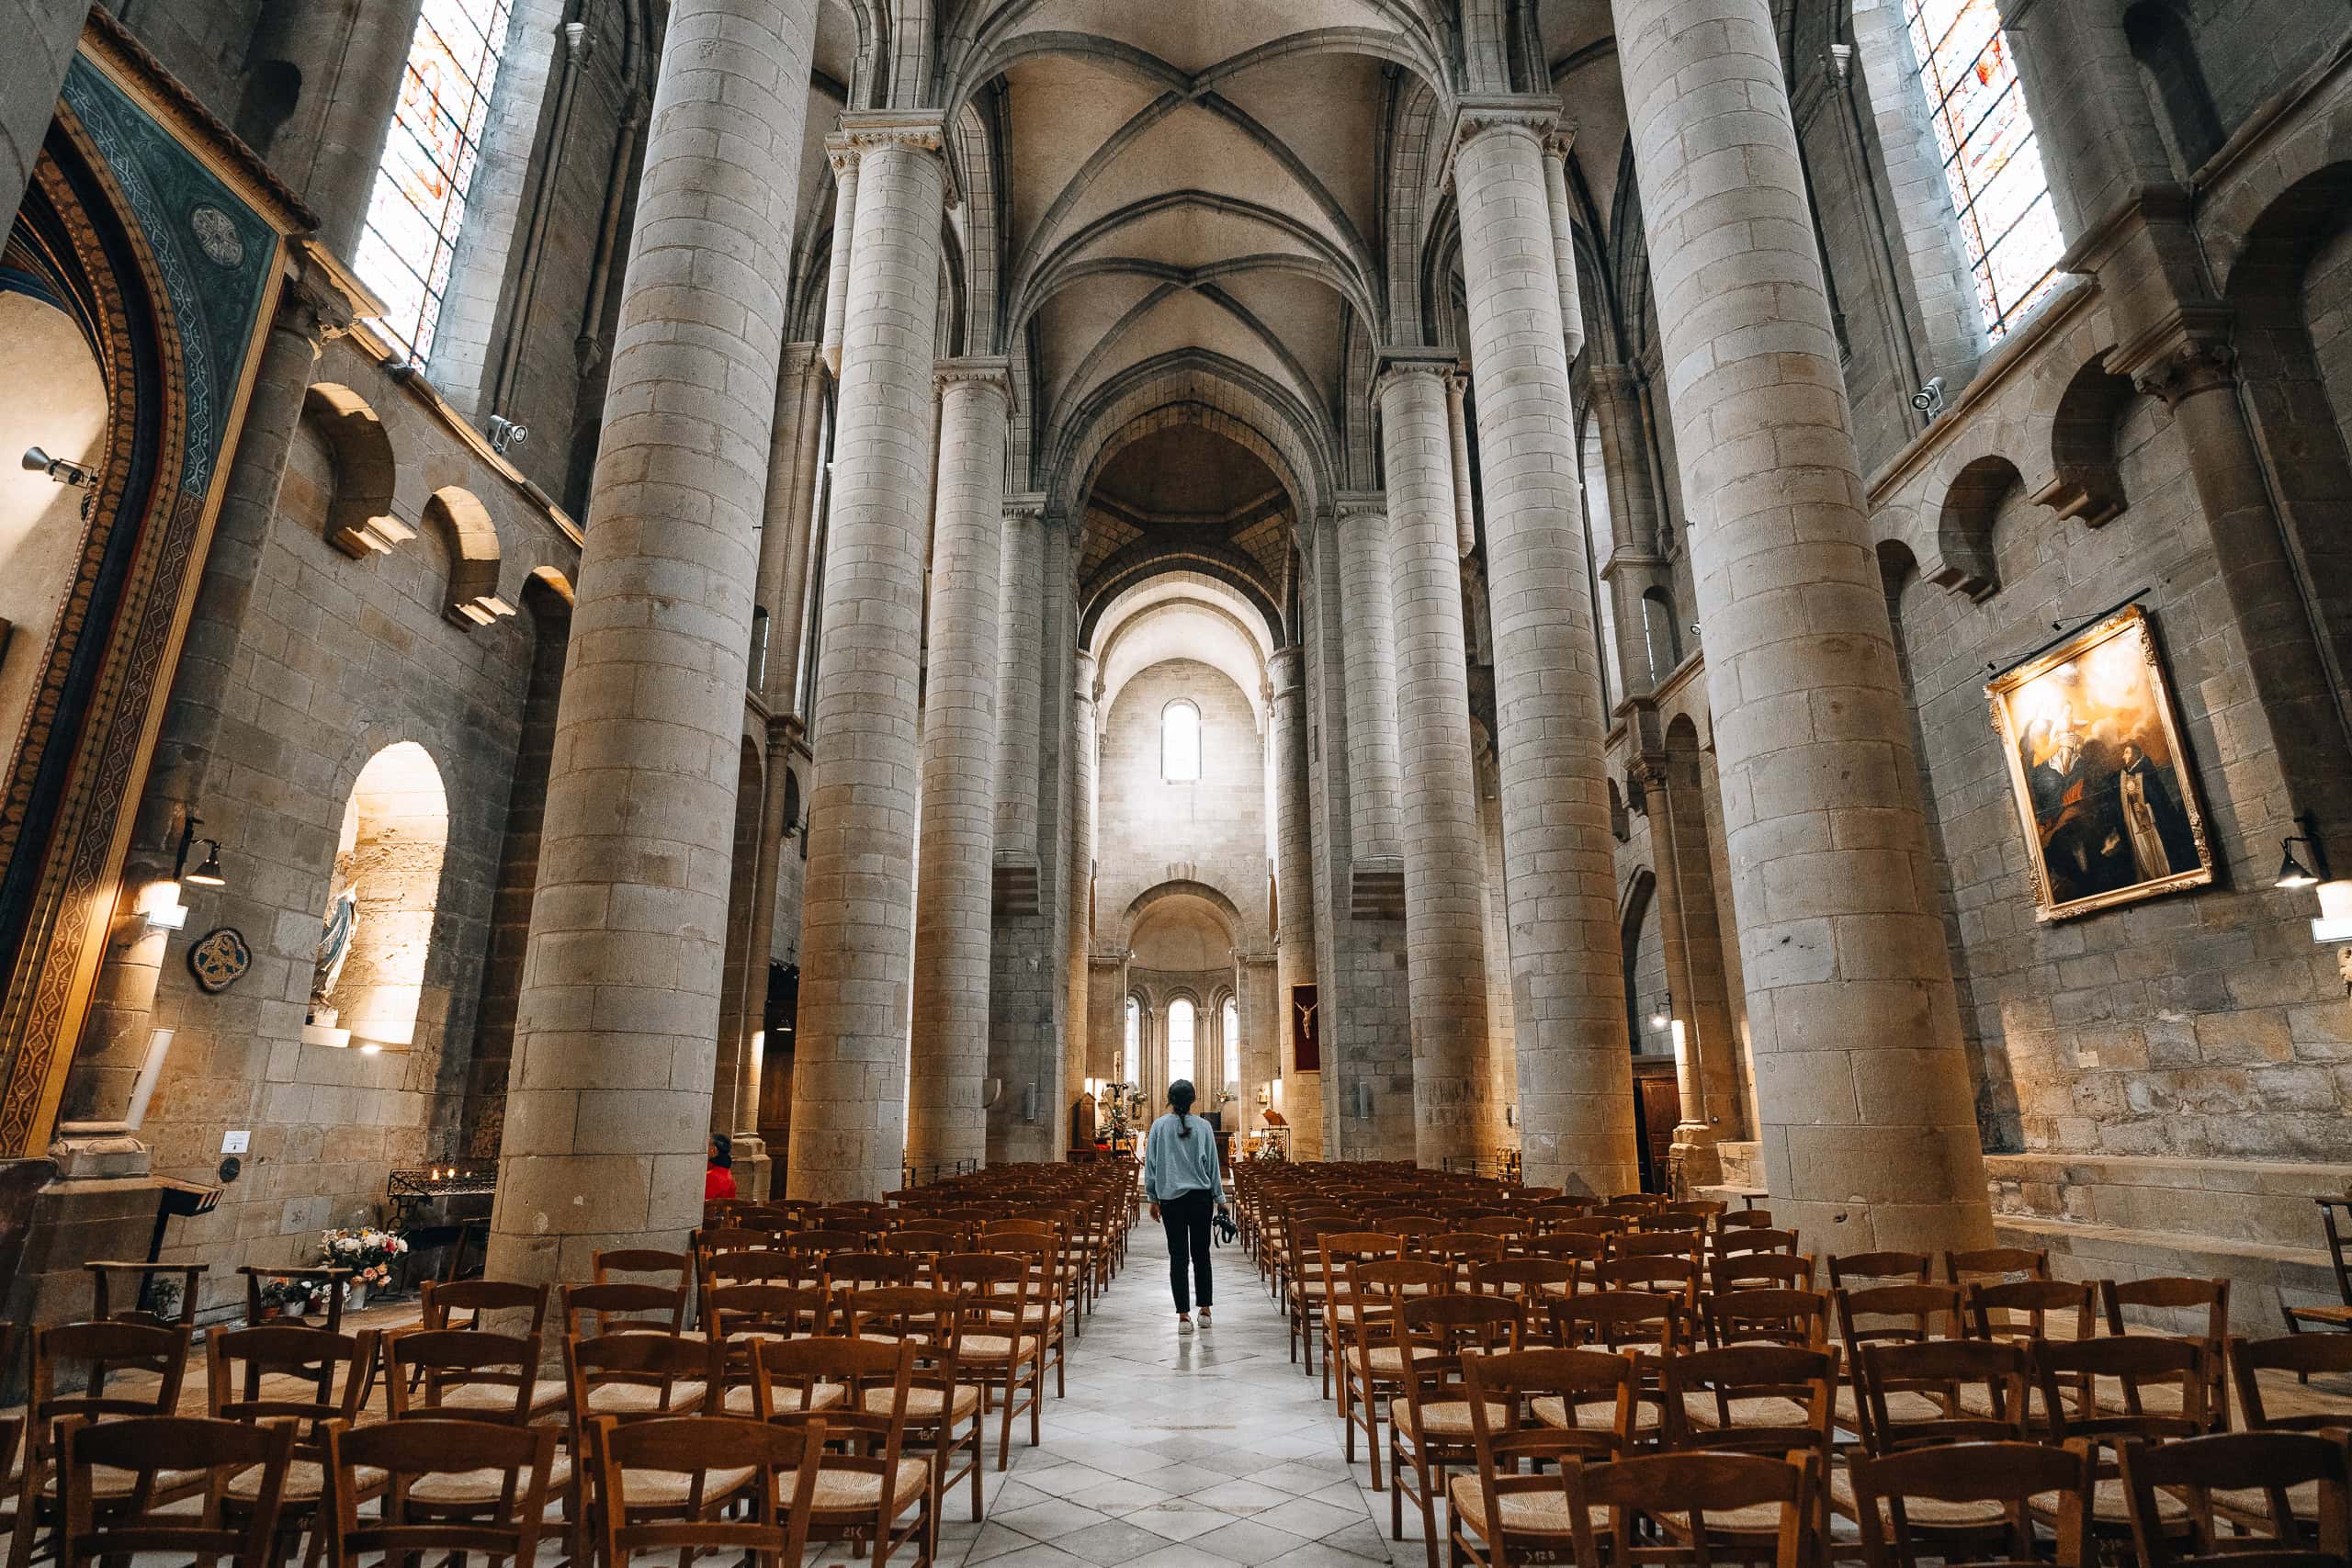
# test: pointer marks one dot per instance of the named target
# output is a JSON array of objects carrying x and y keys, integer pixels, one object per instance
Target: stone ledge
[
  {"x": 2261, "y": 1274},
  {"x": 2262, "y": 1202}
]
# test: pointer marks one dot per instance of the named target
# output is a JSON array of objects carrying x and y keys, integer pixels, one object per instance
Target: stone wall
[
  {"x": 339, "y": 659},
  {"x": 1149, "y": 832}
]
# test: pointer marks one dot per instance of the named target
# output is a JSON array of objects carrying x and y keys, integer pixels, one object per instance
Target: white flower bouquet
[{"x": 369, "y": 1253}]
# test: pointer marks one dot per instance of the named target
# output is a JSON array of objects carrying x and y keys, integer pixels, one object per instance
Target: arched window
[
  {"x": 1180, "y": 743},
  {"x": 377, "y": 930},
  {"x": 1133, "y": 1066},
  {"x": 1992, "y": 162},
  {"x": 1230, "y": 1025},
  {"x": 1179, "y": 1039},
  {"x": 1660, "y": 634},
  {"x": 429, "y": 155}
]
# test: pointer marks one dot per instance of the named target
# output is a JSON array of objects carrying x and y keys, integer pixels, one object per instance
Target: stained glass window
[
  {"x": 1992, "y": 162},
  {"x": 1232, "y": 1029},
  {"x": 1180, "y": 743},
  {"x": 1135, "y": 1039},
  {"x": 419, "y": 202},
  {"x": 1180, "y": 1040}
]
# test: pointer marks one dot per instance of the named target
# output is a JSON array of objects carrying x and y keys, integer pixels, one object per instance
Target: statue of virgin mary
[{"x": 335, "y": 932}]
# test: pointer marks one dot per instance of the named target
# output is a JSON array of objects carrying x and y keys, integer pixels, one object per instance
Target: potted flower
[{"x": 370, "y": 1254}]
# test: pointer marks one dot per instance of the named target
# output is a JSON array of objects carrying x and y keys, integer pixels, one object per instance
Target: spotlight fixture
[
  {"x": 1664, "y": 1015},
  {"x": 37, "y": 461},
  {"x": 2293, "y": 873},
  {"x": 505, "y": 433},
  {"x": 207, "y": 873},
  {"x": 1929, "y": 398}
]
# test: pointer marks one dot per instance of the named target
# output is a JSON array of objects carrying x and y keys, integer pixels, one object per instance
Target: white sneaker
[
  {"x": 1184, "y": 1326},
  {"x": 1205, "y": 1317}
]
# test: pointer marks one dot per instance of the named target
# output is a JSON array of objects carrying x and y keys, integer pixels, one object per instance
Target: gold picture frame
[{"x": 2102, "y": 784}]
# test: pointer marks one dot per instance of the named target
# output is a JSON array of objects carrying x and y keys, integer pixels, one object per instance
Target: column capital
[
  {"x": 1477, "y": 114},
  {"x": 1030, "y": 505},
  {"x": 990, "y": 371},
  {"x": 799, "y": 357},
  {"x": 1287, "y": 667},
  {"x": 1560, "y": 141},
  {"x": 1393, "y": 363},
  {"x": 874, "y": 130},
  {"x": 1361, "y": 503},
  {"x": 1648, "y": 769},
  {"x": 2187, "y": 352},
  {"x": 323, "y": 298}
]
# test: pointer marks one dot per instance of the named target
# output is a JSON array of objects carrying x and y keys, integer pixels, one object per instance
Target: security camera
[{"x": 1929, "y": 398}]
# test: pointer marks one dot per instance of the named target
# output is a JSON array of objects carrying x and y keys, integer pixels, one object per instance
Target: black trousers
[{"x": 1185, "y": 1218}]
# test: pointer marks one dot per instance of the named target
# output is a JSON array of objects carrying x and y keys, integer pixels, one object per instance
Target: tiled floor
[{"x": 1180, "y": 1452}]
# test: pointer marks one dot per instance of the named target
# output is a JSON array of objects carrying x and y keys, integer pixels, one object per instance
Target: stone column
[
  {"x": 1691, "y": 945},
  {"x": 1445, "y": 890},
  {"x": 788, "y": 521},
  {"x": 1635, "y": 565},
  {"x": 608, "y": 1103},
  {"x": 1457, "y": 420},
  {"x": 1576, "y": 1092},
  {"x": 115, "y": 1039},
  {"x": 950, "y": 1052},
  {"x": 351, "y": 69},
  {"x": 1869, "y": 1134},
  {"x": 41, "y": 35},
  {"x": 1557, "y": 148},
  {"x": 1020, "y": 671},
  {"x": 842, "y": 156},
  {"x": 1369, "y": 635},
  {"x": 857, "y": 939},
  {"x": 1086, "y": 693},
  {"x": 1294, "y": 883}
]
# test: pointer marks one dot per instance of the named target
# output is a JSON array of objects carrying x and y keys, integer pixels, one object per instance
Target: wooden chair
[
  {"x": 938, "y": 1400},
  {"x": 2196, "y": 1299},
  {"x": 1911, "y": 1402},
  {"x": 663, "y": 1484},
  {"x": 2158, "y": 1396},
  {"x": 442, "y": 1303},
  {"x": 1370, "y": 1357},
  {"x": 103, "y": 1309},
  {"x": 469, "y": 1374},
  {"x": 277, "y": 1373},
  {"x": 611, "y": 1307},
  {"x": 1335, "y": 1252},
  {"x": 2025, "y": 1308},
  {"x": 1890, "y": 1314},
  {"x": 1772, "y": 1498},
  {"x": 1764, "y": 1316},
  {"x": 1508, "y": 1510},
  {"x": 993, "y": 1345},
  {"x": 2336, "y": 1314},
  {"x": 1050, "y": 1305},
  {"x": 765, "y": 1312},
  {"x": 2290, "y": 1487},
  {"x": 866, "y": 1493},
  {"x": 147, "y": 1365},
  {"x": 2248, "y": 1359},
  {"x": 121, "y": 1478},
  {"x": 335, "y": 1279},
  {"x": 1923, "y": 1503},
  {"x": 448, "y": 1486},
  {"x": 1761, "y": 1271},
  {"x": 1429, "y": 1429},
  {"x": 1757, "y": 1399},
  {"x": 633, "y": 1376}
]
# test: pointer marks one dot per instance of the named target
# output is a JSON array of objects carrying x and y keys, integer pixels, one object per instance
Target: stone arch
[
  {"x": 1964, "y": 526},
  {"x": 389, "y": 856},
  {"x": 473, "y": 537},
  {"x": 1661, "y": 632},
  {"x": 359, "y": 519},
  {"x": 1621, "y": 821},
  {"x": 2086, "y": 477},
  {"x": 1300, "y": 434},
  {"x": 1635, "y": 907},
  {"x": 2159, "y": 39},
  {"x": 1179, "y": 888}
]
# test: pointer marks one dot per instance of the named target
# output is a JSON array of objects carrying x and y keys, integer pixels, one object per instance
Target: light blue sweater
[{"x": 1174, "y": 1164}]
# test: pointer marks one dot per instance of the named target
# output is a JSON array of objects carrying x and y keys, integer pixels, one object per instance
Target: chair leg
[
  {"x": 1004, "y": 1431},
  {"x": 980, "y": 1465},
  {"x": 1037, "y": 1402}
]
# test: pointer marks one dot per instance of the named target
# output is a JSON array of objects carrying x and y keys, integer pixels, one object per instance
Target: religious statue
[{"x": 341, "y": 923}]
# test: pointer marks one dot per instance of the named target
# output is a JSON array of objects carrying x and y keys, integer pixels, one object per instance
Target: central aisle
[{"x": 1178, "y": 1454}]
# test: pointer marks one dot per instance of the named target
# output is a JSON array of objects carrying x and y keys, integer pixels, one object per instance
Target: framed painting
[{"x": 2101, "y": 781}]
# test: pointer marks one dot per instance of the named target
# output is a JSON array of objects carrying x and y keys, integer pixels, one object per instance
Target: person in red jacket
[{"x": 719, "y": 1177}]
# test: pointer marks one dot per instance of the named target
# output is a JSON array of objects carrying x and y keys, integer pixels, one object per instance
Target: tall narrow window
[
  {"x": 1231, "y": 1027},
  {"x": 1992, "y": 160},
  {"x": 435, "y": 145},
  {"x": 1179, "y": 1039},
  {"x": 1180, "y": 743},
  {"x": 1134, "y": 1041},
  {"x": 1600, "y": 543}
]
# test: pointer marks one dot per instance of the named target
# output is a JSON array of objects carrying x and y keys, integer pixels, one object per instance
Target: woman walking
[{"x": 1184, "y": 1185}]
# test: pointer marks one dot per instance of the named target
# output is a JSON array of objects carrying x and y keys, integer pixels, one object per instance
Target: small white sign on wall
[{"x": 235, "y": 1142}]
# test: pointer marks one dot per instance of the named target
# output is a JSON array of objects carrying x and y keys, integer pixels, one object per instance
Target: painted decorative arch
[
  {"x": 473, "y": 537},
  {"x": 359, "y": 519}
]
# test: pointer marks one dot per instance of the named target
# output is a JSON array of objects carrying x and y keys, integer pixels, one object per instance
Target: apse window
[
  {"x": 1134, "y": 1041},
  {"x": 1231, "y": 1020},
  {"x": 429, "y": 155},
  {"x": 1180, "y": 743},
  {"x": 1179, "y": 1039},
  {"x": 1992, "y": 160}
]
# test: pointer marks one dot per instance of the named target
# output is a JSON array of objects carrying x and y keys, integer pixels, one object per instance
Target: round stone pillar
[
  {"x": 842, "y": 157},
  {"x": 1368, "y": 635},
  {"x": 1869, "y": 1133},
  {"x": 1293, "y": 889},
  {"x": 1445, "y": 851},
  {"x": 608, "y": 1101},
  {"x": 1020, "y": 636},
  {"x": 950, "y": 1054},
  {"x": 1085, "y": 744},
  {"x": 857, "y": 933},
  {"x": 1576, "y": 1088}
]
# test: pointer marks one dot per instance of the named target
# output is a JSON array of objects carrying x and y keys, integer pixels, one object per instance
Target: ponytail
[{"x": 1180, "y": 1100}]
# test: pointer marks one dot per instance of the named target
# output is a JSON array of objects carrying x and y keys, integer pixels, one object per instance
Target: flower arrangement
[{"x": 369, "y": 1253}]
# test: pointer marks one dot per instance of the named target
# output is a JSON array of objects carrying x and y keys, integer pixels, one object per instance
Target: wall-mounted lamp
[
  {"x": 65, "y": 473},
  {"x": 505, "y": 433},
  {"x": 1663, "y": 1016},
  {"x": 2293, "y": 873},
  {"x": 206, "y": 874},
  {"x": 1362, "y": 1097},
  {"x": 1929, "y": 398}
]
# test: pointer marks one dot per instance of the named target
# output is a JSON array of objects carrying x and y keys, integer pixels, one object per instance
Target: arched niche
[
  {"x": 52, "y": 396},
  {"x": 388, "y": 860},
  {"x": 359, "y": 520},
  {"x": 1964, "y": 526},
  {"x": 2086, "y": 475},
  {"x": 465, "y": 525}
]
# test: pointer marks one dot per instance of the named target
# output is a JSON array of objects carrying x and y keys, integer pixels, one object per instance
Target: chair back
[
  {"x": 500, "y": 1471},
  {"x": 1739, "y": 1397},
  {"x": 708, "y": 1452},
  {"x": 2024, "y": 1309},
  {"x": 1893, "y": 1267},
  {"x": 1691, "y": 1486},
  {"x": 2301, "y": 1354},
  {"x": 90, "y": 1354},
  {"x": 633, "y": 1376},
  {"x": 2012, "y": 1474},
  {"x": 1765, "y": 1316},
  {"x": 1937, "y": 1370},
  {"x": 2136, "y": 1367},
  {"x": 2271, "y": 1464},
  {"x": 766, "y": 1310},
  {"x": 1766, "y": 1270},
  {"x": 654, "y": 1267},
  {"x": 1616, "y": 1320},
  {"x": 623, "y": 1307},
  {"x": 1991, "y": 1265},
  {"x": 445, "y": 1297},
  {"x": 427, "y": 1365},
  {"x": 160, "y": 1453},
  {"x": 303, "y": 1365}
]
